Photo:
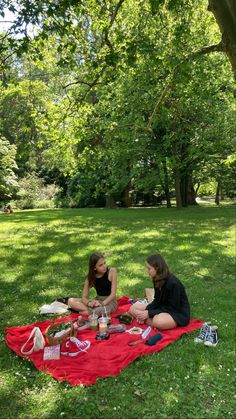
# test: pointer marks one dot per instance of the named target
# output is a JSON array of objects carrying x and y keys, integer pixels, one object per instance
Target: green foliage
[
  {"x": 8, "y": 178},
  {"x": 83, "y": 189},
  {"x": 155, "y": 4},
  {"x": 33, "y": 193},
  {"x": 208, "y": 188},
  {"x": 19, "y": 106},
  {"x": 121, "y": 101}
]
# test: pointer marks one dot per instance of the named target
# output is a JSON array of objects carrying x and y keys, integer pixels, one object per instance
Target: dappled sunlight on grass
[
  {"x": 170, "y": 397},
  {"x": 206, "y": 369},
  {"x": 50, "y": 292},
  {"x": 185, "y": 246},
  {"x": 205, "y": 251},
  {"x": 203, "y": 271},
  {"x": 47, "y": 396},
  {"x": 59, "y": 257},
  {"x": 43, "y": 400}
]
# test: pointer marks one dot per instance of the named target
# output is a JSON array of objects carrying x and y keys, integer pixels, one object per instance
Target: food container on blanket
[
  {"x": 117, "y": 328},
  {"x": 57, "y": 332}
]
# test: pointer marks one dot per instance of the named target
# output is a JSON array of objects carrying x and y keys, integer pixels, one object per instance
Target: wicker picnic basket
[{"x": 55, "y": 337}]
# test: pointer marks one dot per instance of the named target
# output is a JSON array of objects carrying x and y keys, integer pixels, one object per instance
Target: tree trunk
[
  {"x": 110, "y": 202},
  {"x": 191, "y": 197},
  {"x": 222, "y": 196},
  {"x": 126, "y": 200},
  {"x": 177, "y": 177},
  {"x": 217, "y": 198},
  {"x": 225, "y": 15},
  {"x": 177, "y": 191},
  {"x": 166, "y": 183},
  {"x": 184, "y": 189}
]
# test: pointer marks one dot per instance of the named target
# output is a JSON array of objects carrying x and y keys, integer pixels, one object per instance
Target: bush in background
[{"x": 33, "y": 193}]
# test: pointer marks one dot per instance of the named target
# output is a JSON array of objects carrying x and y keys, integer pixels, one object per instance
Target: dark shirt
[
  {"x": 103, "y": 285},
  {"x": 172, "y": 299}
]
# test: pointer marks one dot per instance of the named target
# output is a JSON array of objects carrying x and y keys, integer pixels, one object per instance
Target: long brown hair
[
  {"x": 159, "y": 264},
  {"x": 94, "y": 258}
]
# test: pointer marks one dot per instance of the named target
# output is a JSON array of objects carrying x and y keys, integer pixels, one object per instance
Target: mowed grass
[{"x": 44, "y": 254}]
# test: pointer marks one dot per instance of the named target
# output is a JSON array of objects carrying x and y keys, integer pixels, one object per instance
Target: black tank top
[{"x": 103, "y": 285}]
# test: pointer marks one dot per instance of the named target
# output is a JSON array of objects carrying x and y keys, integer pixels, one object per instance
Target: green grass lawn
[{"x": 44, "y": 254}]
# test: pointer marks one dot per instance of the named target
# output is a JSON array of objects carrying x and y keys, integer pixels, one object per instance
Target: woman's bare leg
[
  {"x": 162, "y": 321},
  {"x": 76, "y": 304}
]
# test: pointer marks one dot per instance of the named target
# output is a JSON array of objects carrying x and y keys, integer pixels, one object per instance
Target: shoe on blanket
[
  {"x": 205, "y": 329},
  {"x": 63, "y": 300},
  {"x": 74, "y": 346}
]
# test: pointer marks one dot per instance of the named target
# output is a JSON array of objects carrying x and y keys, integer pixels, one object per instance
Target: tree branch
[
  {"x": 113, "y": 18},
  {"x": 208, "y": 49},
  {"x": 158, "y": 104},
  {"x": 204, "y": 50},
  {"x": 89, "y": 84}
]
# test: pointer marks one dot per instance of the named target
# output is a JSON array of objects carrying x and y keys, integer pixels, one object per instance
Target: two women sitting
[{"x": 169, "y": 309}]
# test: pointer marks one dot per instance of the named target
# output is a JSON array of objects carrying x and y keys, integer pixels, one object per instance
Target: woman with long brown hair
[
  {"x": 104, "y": 280},
  {"x": 170, "y": 307}
]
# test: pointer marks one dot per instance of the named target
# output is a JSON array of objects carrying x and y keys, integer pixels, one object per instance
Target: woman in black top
[
  {"x": 104, "y": 280},
  {"x": 170, "y": 307}
]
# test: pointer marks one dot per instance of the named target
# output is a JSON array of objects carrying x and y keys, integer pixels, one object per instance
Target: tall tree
[{"x": 225, "y": 15}]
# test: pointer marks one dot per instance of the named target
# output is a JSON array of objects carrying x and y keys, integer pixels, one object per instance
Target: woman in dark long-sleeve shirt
[{"x": 170, "y": 307}]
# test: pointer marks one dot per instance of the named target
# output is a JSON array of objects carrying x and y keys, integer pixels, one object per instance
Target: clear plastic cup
[
  {"x": 102, "y": 324},
  {"x": 106, "y": 314},
  {"x": 93, "y": 318}
]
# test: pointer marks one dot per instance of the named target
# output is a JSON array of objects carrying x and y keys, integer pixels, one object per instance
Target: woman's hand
[
  {"x": 93, "y": 303},
  {"x": 142, "y": 316},
  {"x": 97, "y": 304}
]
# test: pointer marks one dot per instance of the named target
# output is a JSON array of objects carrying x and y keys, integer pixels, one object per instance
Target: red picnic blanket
[{"x": 103, "y": 358}]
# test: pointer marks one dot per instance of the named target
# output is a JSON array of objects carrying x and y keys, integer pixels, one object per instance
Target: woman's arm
[
  {"x": 113, "y": 279},
  {"x": 85, "y": 293},
  {"x": 85, "y": 297}
]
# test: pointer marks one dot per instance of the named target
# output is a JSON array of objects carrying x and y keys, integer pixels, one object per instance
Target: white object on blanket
[
  {"x": 54, "y": 308},
  {"x": 135, "y": 331},
  {"x": 52, "y": 352},
  {"x": 61, "y": 333},
  {"x": 146, "y": 332},
  {"x": 37, "y": 341}
]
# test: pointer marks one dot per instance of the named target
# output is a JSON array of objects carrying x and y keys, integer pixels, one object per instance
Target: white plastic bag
[
  {"x": 37, "y": 341},
  {"x": 54, "y": 308}
]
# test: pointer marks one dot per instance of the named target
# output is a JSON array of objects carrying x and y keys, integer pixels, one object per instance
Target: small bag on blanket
[{"x": 36, "y": 340}]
